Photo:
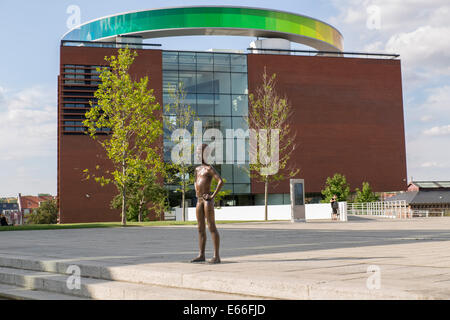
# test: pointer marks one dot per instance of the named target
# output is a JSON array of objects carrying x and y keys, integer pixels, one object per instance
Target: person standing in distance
[{"x": 334, "y": 206}]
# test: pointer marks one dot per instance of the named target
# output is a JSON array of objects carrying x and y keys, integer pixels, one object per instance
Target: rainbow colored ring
[{"x": 212, "y": 20}]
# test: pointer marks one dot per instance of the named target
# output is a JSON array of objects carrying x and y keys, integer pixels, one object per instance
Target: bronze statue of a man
[{"x": 204, "y": 174}]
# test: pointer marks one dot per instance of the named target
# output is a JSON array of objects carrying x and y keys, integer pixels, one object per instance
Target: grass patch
[{"x": 106, "y": 225}]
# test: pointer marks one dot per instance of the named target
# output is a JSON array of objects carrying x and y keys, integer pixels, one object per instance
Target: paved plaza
[{"x": 408, "y": 259}]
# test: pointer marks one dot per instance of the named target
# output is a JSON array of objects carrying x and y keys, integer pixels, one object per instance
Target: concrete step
[
  {"x": 9, "y": 292},
  {"x": 103, "y": 289},
  {"x": 200, "y": 282}
]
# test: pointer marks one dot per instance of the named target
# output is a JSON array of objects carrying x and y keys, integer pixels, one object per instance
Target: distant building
[
  {"x": 11, "y": 212},
  {"x": 8, "y": 206},
  {"x": 431, "y": 196}
]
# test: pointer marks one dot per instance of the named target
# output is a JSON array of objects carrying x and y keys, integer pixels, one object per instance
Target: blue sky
[{"x": 30, "y": 32}]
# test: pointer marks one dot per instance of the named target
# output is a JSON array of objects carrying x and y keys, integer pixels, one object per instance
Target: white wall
[{"x": 317, "y": 211}]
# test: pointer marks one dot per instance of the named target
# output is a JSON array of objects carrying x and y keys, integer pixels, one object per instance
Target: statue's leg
[
  {"x": 200, "y": 212},
  {"x": 210, "y": 218}
]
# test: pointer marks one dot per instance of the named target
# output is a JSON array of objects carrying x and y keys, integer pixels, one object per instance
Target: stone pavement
[{"x": 275, "y": 260}]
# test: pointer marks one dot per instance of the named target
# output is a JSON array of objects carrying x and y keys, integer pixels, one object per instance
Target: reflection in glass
[
  {"x": 205, "y": 61},
  {"x": 222, "y": 105},
  {"x": 188, "y": 80},
  {"x": 222, "y": 62},
  {"x": 298, "y": 194},
  {"x": 224, "y": 123},
  {"x": 205, "y": 82},
  {"x": 240, "y": 174},
  {"x": 187, "y": 61},
  {"x": 239, "y": 123},
  {"x": 241, "y": 188},
  {"x": 239, "y": 105},
  {"x": 170, "y": 79},
  {"x": 222, "y": 82},
  {"x": 205, "y": 104},
  {"x": 226, "y": 172},
  {"x": 216, "y": 88},
  {"x": 239, "y": 83},
  {"x": 170, "y": 60}
]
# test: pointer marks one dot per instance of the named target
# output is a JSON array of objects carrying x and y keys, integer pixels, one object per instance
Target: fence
[
  {"x": 427, "y": 213},
  {"x": 385, "y": 209},
  {"x": 317, "y": 211}
]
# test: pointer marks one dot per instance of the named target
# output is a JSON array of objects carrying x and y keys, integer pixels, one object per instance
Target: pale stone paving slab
[{"x": 304, "y": 260}]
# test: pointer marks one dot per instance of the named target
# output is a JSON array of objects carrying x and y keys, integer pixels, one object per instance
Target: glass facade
[{"x": 216, "y": 88}]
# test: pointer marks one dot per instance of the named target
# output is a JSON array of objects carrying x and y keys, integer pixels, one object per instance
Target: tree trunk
[
  {"x": 266, "y": 213},
  {"x": 141, "y": 205},
  {"x": 124, "y": 200},
  {"x": 124, "y": 204},
  {"x": 183, "y": 204}
]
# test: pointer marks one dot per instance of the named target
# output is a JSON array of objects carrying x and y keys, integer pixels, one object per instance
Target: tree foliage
[
  {"x": 365, "y": 194},
  {"x": 336, "y": 185},
  {"x": 180, "y": 116},
  {"x": 145, "y": 194},
  {"x": 47, "y": 213},
  {"x": 221, "y": 194},
  {"x": 128, "y": 110},
  {"x": 270, "y": 113}
]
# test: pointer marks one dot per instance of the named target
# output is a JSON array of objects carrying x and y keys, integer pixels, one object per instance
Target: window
[
  {"x": 187, "y": 61},
  {"x": 222, "y": 82},
  {"x": 205, "y": 82},
  {"x": 216, "y": 88},
  {"x": 239, "y": 83},
  {"x": 239, "y": 105},
  {"x": 222, "y": 105},
  {"x": 222, "y": 62}
]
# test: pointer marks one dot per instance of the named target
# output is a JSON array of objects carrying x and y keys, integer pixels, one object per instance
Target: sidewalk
[{"x": 276, "y": 260}]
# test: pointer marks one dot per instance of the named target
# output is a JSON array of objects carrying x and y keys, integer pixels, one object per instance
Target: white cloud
[
  {"x": 438, "y": 100},
  {"x": 426, "y": 118},
  {"x": 428, "y": 157},
  {"x": 429, "y": 164},
  {"x": 27, "y": 123},
  {"x": 438, "y": 131},
  {"x": 417, "y": 30},
  {"x": 423, "y": 49}
]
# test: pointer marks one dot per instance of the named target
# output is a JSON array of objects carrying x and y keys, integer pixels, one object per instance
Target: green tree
[
  {"x": 337, "y": 185},
  {"x": 365, "y": 194},
  {"x": 221, "y": 194},
  {"x": 269, "y": 113},
  {"x": 128, "y": 110},
  {"x": 145, "y": 194},
  {"x": 47, "y": 213},
  {"x": 180, "y": 116}
]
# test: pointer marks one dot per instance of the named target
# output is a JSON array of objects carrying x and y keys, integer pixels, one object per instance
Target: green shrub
[{"x": 47, "y": 213}]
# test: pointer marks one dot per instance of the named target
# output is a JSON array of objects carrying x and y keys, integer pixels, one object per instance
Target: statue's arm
[
  {"x": 195, "y": 181},
  {"x": 219, "y": 182}
]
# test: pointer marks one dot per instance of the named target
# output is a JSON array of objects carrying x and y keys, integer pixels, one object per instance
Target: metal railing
[
  {"x": 326, "y": 53},
  {"x": 427, "y": 213},
  {"x": 386, "y": 209},
  {"x": 102, "y": 44}
]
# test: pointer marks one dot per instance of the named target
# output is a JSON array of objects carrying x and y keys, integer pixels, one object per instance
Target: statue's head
[{"x": 201, "y": 152}]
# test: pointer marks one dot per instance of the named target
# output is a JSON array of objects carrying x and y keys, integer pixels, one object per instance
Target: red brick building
[{"x": 348, "y": 116}]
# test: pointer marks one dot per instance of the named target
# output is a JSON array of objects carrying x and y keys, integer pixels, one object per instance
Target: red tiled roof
[{"x": 32, "y": 202}]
